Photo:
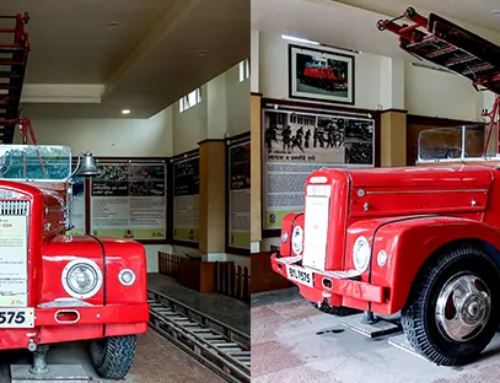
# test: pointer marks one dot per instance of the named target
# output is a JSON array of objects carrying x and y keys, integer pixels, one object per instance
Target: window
[
  {"x": 244, "y": 70},
  {"x": 190, "y": 100}
]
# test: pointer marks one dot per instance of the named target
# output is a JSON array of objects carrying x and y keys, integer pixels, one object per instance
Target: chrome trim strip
[
  {"x": 428, "y": 191},
  {"x": 9, "y": 194}
]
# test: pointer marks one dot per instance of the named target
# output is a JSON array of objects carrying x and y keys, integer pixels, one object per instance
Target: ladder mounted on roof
[
  {"x": 448, "y": 45},
  {"x": 14, "y": 50}
]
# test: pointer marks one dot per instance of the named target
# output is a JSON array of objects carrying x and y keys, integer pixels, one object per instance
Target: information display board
[
  {"x": 297, "y": 143},
  {"x": 13, "y": 261},
  {"x": 238, "y": 174},
  {"x": 186, "y": 187},
  {"x": 129, "y": 200}
]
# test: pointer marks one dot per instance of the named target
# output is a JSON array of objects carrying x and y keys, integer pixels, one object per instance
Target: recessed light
[
  {"x": 203, "y": 52},
  {"x": 126, "y": 111},
  {"x": 299, "y": 40},
  {"x": 495, "y": 12}
]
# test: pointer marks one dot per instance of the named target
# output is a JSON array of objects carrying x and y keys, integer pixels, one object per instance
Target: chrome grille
[{"x": 14, "y": 208}]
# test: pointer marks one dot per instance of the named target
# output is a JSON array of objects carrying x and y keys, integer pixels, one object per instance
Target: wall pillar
[
  {"x": 256, "y": 172},
  {"x": 393, "y": 138},
  {"x": 213, "y": 200}
]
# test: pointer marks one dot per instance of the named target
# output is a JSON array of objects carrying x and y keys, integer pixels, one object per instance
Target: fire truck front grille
[{"x": 14, "y": 208}]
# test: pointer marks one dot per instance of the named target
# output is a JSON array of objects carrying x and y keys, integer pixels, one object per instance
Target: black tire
[
  {"x": 339, "y": 311},
  {"x": 418, "y": 317},
  {"x": 113, "y": 357}
]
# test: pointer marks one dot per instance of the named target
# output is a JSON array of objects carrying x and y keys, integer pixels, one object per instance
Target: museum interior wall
[
  {"x": 407, "y": 99},
  {"x": 380, "y": 82},
  {"x": 222, "y": 113}
]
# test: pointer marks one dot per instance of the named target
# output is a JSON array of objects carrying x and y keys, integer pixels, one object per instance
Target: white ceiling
[
  {"x": 146, "y": 63},
  {"x": 352, "y": 23}
]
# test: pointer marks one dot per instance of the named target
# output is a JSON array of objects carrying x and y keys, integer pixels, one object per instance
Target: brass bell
[{"x": 88, "y": 167}]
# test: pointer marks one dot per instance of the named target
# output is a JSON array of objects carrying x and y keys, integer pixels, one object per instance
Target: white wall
[
  {"x": 439, "y": 94},
  {"x": 254, "y": 61},
  {"x": 380, "y": 82},
  {"x": 273, "y": 72},
  {"x": 190, "y": 126},
  {"x": 109, "y": 137},
  {"x": 237, "y": 103},
  {"x": 224, "y": 110}
]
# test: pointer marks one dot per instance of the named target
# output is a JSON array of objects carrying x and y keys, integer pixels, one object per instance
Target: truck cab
[
  {"x": 422, "y": 241},
  {"x": 56, "y": 287}
]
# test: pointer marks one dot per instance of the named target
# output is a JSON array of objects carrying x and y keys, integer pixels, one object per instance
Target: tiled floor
[
  {"x": 156, "y": 361},
  {"x": 230, "y": 311},
  {"x": 286, "y": 347}
]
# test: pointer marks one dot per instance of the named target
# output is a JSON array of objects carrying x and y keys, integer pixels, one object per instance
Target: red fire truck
[
  {"x": 59, "y": 288},
  {"x": 319, "y": 73},
  {"x": 55, "y": 287},
  {"x": 424, "y": 240}
]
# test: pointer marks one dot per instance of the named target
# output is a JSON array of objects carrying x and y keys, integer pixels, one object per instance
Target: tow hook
[{"x": 32, "y": 346}]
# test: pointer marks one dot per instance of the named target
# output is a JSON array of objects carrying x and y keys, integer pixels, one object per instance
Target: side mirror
[{"x": 86, "y": 166}]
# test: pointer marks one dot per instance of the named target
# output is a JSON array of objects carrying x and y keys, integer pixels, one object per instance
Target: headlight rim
[
  {"x": 382, "y": 258},
  {"x": 65, "y": 277},
  {"x": 120, "y": 277},
  {"x": 365, "y": 264},
  {"x": 292, "y": 239}
]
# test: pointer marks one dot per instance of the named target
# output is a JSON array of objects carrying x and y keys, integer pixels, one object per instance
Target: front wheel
[
  {"x": 451, "y": 313},
  {"x": 339, "y": 311},
  {"x": 113, "y": 357}
]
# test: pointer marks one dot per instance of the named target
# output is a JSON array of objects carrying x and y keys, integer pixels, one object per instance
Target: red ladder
[{"x": 14, "y": 52}]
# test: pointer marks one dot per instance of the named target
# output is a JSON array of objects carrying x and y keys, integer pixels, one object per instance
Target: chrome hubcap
[{"x": 463, "y": 307}]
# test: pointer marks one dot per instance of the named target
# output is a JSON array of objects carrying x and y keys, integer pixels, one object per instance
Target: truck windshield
[
  {"x": 35, "y": 163},
  {"x": 455, "y": 144}
]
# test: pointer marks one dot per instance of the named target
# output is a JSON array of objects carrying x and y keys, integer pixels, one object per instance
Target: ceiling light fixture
[
  {"x": 495, "y": 12},
  {"x": 203, "y": 52},
  {"x": 126, "y": 111},
  {"x": 299, "y": 40}
]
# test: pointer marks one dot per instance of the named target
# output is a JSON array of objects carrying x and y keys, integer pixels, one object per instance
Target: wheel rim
[{"x": 463, "y": 307}]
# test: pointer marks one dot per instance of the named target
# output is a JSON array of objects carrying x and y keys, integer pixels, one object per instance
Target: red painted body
[
  {"x": 330, "y": 74},
  {"x": 115, "y": 309},
  {"x": 410, "y": 213}
]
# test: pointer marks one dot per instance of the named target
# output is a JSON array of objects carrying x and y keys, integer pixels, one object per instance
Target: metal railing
[{"x": 218, "y": 346}]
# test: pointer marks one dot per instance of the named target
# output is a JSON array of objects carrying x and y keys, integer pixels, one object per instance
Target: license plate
[
  {"x": 300, "y": 275},
  {"x": 17, "y": 318}
]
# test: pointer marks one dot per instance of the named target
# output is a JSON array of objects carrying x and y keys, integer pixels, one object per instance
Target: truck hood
[
  {"x": 461, "y": 176},
  {"x": 454, "y": 190}
]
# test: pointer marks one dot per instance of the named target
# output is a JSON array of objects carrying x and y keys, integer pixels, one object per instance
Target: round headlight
[
  {"x": 382, "y": 258},
  {"x": 297, "y": 239},
  {"x": 284, "y": 237},
  {"x": 361, "y": 254},
  {"x": 126, "y": 277},
  {"x": 82, "y": 278}
]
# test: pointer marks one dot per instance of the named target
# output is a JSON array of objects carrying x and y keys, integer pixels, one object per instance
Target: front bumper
[
  {"x": 94, "y": 315},
  {"x": 337, "y": 288},
  {"x": 67, "y": 324}
]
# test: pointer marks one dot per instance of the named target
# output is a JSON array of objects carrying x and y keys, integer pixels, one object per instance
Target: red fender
[{"x": 409, "y": 242}]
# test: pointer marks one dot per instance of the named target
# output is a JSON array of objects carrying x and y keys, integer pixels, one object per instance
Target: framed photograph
[{"x": 320, "y": 75}]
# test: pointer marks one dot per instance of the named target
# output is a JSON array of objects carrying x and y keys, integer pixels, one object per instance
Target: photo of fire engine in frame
[{"x": 320, "y": 75}]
